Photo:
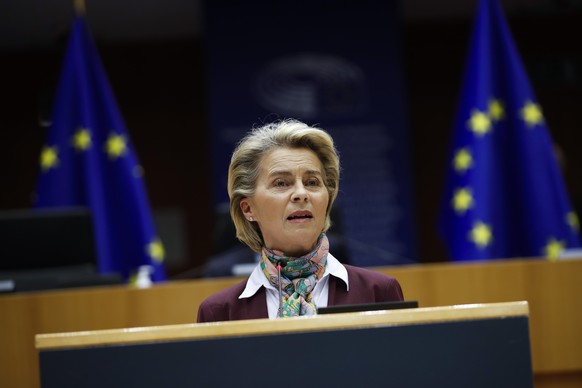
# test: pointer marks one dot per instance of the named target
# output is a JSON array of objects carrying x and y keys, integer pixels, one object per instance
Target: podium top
[{"x": 289, "y": 325}]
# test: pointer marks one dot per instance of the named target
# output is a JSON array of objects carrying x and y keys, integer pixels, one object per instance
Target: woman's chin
[{"x": 300, "y": 245}]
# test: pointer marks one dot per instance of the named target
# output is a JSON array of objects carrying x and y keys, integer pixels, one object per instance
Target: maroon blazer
[{"x": 366, "y": 286}]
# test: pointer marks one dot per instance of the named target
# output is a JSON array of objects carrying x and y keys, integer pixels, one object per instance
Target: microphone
[{"x": 280, "y": 265}]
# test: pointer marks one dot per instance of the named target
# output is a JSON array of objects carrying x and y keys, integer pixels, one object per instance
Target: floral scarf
[{"x": 298, "y": 276}]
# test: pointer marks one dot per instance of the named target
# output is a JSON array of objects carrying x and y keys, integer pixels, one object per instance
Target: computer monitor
[
  {"x": 48, "y": 248},
  {"x": 351, "y": 308},
  {"x": 32, "y": 239}
]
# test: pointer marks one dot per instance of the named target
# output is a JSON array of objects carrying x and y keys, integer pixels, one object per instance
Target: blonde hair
[{"x": 244, "y": 168}]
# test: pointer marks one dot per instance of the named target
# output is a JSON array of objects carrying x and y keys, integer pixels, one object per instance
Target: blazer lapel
[
  {"x": 255, "y": 307},
  {"x": 337, "y": 293}
]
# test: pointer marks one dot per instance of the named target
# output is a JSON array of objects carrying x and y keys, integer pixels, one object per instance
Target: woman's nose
[{"x": 300, "y": 193}]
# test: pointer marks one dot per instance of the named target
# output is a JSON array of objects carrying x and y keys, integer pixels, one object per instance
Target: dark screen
[
  {"x": 48, "y": 238},
  {"x": 351, "y": 308}
]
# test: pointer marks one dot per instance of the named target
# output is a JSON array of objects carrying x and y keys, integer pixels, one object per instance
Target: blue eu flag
[
  {"x": 89, "y": 160},
  {"x": 504, "y": 194}
]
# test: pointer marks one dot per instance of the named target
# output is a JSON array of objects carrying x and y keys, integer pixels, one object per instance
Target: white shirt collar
[{"x": 258, "y": 278}]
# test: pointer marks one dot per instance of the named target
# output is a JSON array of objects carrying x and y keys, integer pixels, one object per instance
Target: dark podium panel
[{"x": 401, "y": 350}]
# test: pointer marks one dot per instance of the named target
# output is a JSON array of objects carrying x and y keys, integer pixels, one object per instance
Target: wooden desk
[
  {"x": 477, "y": 345},
  {"x": 553, "y": 290}
]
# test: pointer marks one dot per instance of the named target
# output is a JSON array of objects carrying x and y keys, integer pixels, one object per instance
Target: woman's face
[{"x": 290, "y": 200}]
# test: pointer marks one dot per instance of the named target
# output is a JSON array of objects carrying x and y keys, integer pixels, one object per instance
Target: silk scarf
[{"x": 299, "y": 275}]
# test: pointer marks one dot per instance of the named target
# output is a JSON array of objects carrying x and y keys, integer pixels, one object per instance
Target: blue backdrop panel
[{"x": 335, "y": 64}]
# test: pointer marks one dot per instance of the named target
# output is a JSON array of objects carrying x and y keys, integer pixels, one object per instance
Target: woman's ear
[{"x": 245, "y": 206}]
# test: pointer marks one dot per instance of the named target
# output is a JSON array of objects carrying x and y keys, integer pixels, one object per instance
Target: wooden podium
[{"x": 477, "y": 345}]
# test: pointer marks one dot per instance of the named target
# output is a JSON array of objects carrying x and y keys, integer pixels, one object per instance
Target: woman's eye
[
  {"x": 313, "y": 182},
  {"x": 279, "y": 183}
]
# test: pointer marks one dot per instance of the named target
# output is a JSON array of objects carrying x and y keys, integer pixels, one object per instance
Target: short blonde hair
[{"x": 244, "y": 168}]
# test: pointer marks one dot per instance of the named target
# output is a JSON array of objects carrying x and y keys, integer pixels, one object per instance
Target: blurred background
[{"x": 159, "y": 57}]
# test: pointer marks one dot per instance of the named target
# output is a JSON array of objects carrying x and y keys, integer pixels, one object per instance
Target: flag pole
[{"x": 79, "y": 7}]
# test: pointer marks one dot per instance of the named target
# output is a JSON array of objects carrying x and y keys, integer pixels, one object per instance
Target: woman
[{"x": 282, "y": 181}]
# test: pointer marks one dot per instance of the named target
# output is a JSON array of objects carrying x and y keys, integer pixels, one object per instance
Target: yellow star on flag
[
  {"x": 115, "y": 146},
  {"x": 481, "y": 234},
  {"x": 479, "y": 123},
  {"x": 572, "y": 220},
  {"x": 463, "y": 160},
  {"x": 156, "y": 250},
  {"x": 49, "y": 158},
  {"x": 496, "y": 109},
  {"x": 82, "y": 139},
  {"x": 462, "y": 200},
  {"x": 532, "y": 114},
  {"x": 553, "y": 249}
]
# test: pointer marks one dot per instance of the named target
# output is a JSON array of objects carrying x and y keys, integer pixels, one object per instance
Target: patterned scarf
[{"x": 298, "y": 276}]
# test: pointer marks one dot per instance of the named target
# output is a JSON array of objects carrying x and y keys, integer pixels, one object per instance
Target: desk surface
[{"x": 289, "y": 325}]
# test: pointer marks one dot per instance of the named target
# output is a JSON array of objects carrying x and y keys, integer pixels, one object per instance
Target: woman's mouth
[{"x": 301, "y": 215}]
